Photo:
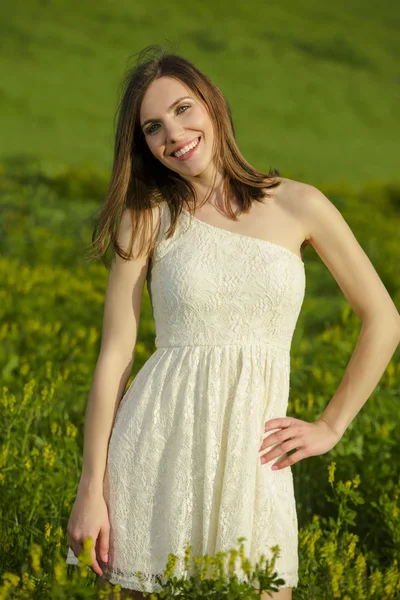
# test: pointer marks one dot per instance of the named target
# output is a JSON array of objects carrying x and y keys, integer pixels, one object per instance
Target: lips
[{"x": 183, "y": 145}]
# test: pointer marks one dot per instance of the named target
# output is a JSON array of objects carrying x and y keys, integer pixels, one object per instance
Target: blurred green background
[{"x": 314, "y": 86}]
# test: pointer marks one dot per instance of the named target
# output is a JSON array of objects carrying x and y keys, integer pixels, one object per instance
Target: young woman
[{"x": 184, "y": 455}]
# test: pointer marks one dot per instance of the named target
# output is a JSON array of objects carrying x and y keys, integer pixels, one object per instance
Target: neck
[{"x": 202, "y": 186}]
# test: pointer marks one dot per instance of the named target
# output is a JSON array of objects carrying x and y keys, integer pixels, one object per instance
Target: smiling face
[{"x": 171, "y": 116}]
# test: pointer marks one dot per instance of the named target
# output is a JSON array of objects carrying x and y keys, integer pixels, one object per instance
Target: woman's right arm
[
  {"x": 122, "y": 306},
  {"x": 114, "y": 365}
]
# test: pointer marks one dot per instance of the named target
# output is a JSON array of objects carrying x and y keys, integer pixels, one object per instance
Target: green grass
[
  {"x": 51, "y": 305},
  {"x": 314, "y": 88}
]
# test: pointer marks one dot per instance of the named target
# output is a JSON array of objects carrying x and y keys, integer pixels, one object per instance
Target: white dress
[{"x": 183, "y": 463}]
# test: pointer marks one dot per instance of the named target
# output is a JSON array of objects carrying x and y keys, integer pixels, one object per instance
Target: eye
[
  {"x": 150, "y": 130},
  {"x": 184, "y": 106}
]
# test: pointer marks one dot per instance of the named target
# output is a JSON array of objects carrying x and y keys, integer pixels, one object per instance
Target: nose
[{"x": 175, "y": 134}]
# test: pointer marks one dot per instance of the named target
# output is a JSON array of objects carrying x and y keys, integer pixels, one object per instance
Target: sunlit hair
[{"x": 139, "y": 181}]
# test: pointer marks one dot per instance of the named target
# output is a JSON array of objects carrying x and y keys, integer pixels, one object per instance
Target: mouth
[{"x": 189, "y": 154}]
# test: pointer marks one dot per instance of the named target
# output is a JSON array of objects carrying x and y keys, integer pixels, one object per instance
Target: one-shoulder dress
[{"x": 183, "y": 464}]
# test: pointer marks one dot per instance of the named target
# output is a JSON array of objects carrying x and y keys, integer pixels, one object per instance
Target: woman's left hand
[{"x": 309, "y": 439}]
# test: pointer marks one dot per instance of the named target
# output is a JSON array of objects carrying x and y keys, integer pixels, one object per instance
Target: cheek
[
  {"x": 208, "y": 129},
  {"x": 155, "y": 149}
]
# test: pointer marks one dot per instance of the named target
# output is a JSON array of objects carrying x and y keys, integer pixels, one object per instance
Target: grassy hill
[{"x": 314, "y": 88}]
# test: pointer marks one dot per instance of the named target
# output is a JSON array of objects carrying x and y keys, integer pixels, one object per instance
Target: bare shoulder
[
  {"x": 292, "y": 193},
  {"x": 290, "y": 196},
  {"x": 310, "y": 206}
]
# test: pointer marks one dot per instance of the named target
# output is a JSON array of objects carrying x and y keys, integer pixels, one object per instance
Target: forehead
[{"x": 160, "y": 94}]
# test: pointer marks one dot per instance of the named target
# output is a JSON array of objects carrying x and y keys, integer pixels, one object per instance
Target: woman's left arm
[{"x": 335, "y": 243}]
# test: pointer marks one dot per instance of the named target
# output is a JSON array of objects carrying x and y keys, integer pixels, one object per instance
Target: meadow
[
  {"x": 318, "y": 99},
  {"x": 51, "y": 311}
]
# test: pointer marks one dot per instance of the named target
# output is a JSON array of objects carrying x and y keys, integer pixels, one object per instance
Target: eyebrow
[{"x": 170, "y": 108}]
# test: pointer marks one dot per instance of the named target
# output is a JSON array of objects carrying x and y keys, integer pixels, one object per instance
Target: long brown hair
[{"x": 139, "y": 181}]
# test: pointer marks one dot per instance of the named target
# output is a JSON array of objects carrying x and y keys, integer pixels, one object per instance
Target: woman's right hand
[{"x": 89, "y": 517}]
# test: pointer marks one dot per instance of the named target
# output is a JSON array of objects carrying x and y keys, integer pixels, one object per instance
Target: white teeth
[{"x": 186, "y": 149}]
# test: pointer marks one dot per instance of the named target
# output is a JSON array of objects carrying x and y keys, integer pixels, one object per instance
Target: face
[{"x": 172, "y": 117}]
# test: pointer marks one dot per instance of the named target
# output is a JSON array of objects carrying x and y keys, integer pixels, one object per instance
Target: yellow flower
[
  {"x": 117, "y": 591},
  {"x": 328, "y": 551},
  {"x": 11, "y": 579},
  {"x": 311, "y": 546},
  {"x": 375, "y": 580},
  {"x": 36, "y": 554},
  {"x": 28, "y": 391},
  {"x": 48, "y": 454},
  {"x": 52, "y": 389},
  {"x": 360, "y": 571},
  {"x": 70, "y": 429},
  {"x": 60, "y": 572},
  {"x": 336, "y": 570},
  {"x": 4, "y": 399},
  {"x": 233, "y": 553},
  {"x": 391, "y": 579},
  {"x": 186, "y": 558},
  {"x": 304, "y": 536},
  {"x": 11, "y": 402},
  {"x": 47, "y": 530},
  {"x": 28, "y": 582},
  {"x": 58, "y": 536},
  {"x": 356, "y": 481},
  {"x": 317, "y": 373},
  {"x": 316, "y": 518},
  {"x": 331, "y": 471},
  {"x": 352, "y": 546},
  {"x": 171, "y": 564}
]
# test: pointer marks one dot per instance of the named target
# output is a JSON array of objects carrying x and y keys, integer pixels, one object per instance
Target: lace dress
[{"x": 183, "y": 464}]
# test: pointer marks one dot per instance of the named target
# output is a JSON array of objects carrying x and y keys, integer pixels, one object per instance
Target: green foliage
[{"x": 51, "y": 303}]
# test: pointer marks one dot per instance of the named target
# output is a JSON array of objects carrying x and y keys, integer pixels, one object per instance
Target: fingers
[
  {"x": 280, "y": 436},
  {"x": 77, "y": 546},
  {"x": 291, "y": 460},
  {"x": 280, "y": 449},
  {"x": 95, "y": 565},
  {"x": 279, "y": 423},
  {"x": 103, "y": 543}
]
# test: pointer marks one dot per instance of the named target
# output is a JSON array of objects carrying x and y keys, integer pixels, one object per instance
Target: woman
[{"x": 185, "y": 454}]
